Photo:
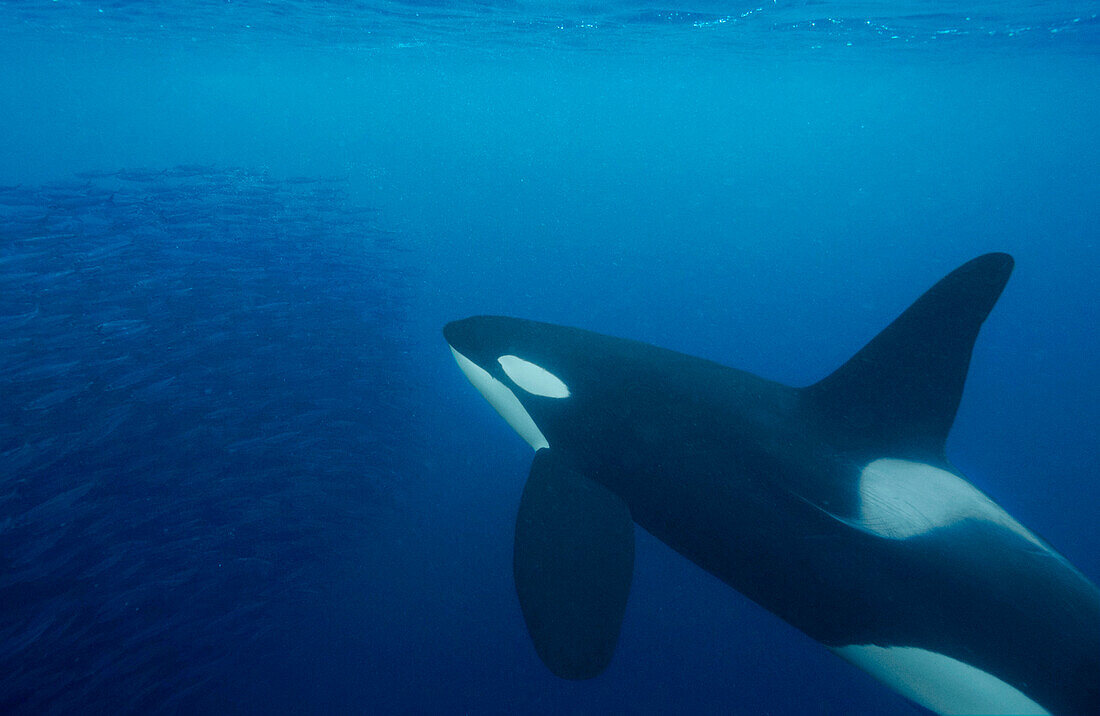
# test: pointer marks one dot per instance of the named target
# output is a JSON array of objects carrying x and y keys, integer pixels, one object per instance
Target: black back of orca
[{"x": 833, "y": 506}]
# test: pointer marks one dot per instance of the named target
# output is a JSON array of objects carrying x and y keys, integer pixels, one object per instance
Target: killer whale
[{"x": 833, "y": 506}]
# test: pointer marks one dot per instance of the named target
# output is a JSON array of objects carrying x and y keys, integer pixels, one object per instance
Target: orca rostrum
[{"x": 833, "y": 506}]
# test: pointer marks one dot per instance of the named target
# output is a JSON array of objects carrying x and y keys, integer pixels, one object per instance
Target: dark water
[{"x": 239, "y": 471}]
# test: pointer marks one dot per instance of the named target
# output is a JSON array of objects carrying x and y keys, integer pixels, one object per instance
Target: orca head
[{"x": 522, "y": 368}]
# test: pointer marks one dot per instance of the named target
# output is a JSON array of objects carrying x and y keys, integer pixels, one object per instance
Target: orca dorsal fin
[{"x": 901, "y": 391}]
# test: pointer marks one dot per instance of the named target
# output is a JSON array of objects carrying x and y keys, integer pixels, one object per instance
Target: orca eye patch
[{"x": 533, "y": 378}]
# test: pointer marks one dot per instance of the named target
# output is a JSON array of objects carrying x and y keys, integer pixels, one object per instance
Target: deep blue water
[{"x": 239, "y": 471}]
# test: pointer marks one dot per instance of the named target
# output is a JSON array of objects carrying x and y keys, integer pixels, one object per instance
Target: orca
[{"x": 833, "y": 506}]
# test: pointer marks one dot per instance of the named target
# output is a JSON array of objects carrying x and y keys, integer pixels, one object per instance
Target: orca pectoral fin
[{"x": 574, "y": 559}]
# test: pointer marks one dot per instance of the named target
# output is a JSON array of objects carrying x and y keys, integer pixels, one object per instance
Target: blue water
[{"x": 239, "y": 471}]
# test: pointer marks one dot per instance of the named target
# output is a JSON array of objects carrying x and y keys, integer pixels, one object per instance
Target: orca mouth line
[{"x": 503, "y": 400}]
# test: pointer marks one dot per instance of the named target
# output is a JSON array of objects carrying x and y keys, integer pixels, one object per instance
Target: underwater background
[{"x": 239, "y": 470}]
